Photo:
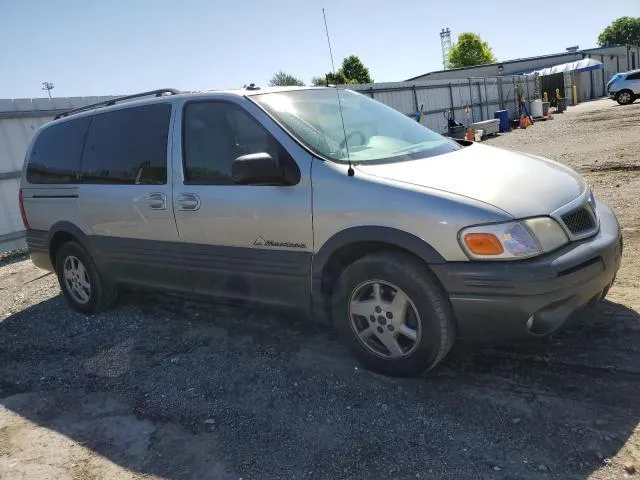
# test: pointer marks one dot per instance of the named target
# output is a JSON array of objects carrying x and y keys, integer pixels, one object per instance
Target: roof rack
[{"x": 113, "y": 101}]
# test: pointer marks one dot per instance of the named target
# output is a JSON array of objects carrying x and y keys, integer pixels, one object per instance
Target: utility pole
[{"x": 48, "y": 86}]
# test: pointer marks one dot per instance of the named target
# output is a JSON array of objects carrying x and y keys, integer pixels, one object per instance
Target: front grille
[{"x": 580, "y": 221}]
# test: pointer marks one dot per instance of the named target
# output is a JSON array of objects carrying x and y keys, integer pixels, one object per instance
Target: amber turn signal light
[{"x": 483, "y": 244}]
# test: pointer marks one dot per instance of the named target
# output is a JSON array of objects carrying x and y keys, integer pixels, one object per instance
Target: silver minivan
[{"x": 323, "y": 200}]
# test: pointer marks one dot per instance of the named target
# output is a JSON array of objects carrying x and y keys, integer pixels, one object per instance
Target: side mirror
[{"x": 257, "y": 169}]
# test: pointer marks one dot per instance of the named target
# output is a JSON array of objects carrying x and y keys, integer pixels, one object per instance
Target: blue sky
[{"x": 92, "y": 47}]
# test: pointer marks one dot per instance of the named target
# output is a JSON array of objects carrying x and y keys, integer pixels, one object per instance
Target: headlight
[{"x": 513, "y": 240}]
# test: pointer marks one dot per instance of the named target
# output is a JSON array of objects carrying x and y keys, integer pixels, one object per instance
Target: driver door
[{"x": 240, "y": 241}]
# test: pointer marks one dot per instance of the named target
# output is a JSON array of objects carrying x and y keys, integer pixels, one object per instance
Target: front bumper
[
  {"x": 506, "y": 301},
  {"x": 612, "y": 95}
]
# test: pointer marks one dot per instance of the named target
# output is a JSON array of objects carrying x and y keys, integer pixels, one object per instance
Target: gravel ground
[{"x": 168, "y": 388}]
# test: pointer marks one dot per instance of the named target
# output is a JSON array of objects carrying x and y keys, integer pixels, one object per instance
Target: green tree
[
  {"x": 331, "y": 78},
  {"x": 622, "y": 31},
  {"x": 338, "y": 78},
  {"x": 355, "y": 71},
  {"x": 282, "y": 79},
  {"x": 352, "y": 71},
  {"x": 470, "y": 50}
]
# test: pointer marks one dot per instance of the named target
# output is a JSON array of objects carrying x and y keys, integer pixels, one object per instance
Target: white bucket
[
  {"x": 536, "y": 108},
  {"x": 479, "y": 134}
]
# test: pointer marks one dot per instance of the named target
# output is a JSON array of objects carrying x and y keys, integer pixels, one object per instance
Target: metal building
[{"x": 617, "y": 58}]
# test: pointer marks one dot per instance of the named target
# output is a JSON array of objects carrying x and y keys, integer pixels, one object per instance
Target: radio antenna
[{"x": 350, "y": 171}]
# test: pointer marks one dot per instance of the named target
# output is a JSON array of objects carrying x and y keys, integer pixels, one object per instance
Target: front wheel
[
  {"x": 625, "y": 97},
  {"x": 392, "y": 315}
]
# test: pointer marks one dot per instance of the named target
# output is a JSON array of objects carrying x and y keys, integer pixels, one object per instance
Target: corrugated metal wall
[
  {"x": 583, "y": 82},
  {"x": 19, "y": 120},
  {"x": 616, "y": 59},
  {"x": 484, "y": 96}
]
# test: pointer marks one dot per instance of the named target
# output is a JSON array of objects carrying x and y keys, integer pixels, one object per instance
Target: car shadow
[
  {"x": 189, "y": 390},
  {"x": 12, "y": 257},
  {"x": 627, "y": 105}
]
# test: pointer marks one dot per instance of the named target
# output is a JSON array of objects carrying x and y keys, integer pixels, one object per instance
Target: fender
[
  {"x": 39, "y": 243},
  {"x": 68, "y": 227},
  {"x": 392, "y": 236}
]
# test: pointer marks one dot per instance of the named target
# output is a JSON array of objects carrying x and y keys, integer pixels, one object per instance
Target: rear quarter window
[
  {"x": 128, "y": 146},
  {"x": 55, "y": 156}
]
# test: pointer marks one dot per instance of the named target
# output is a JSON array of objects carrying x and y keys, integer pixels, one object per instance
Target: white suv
[{"x": 624, "y": 88}]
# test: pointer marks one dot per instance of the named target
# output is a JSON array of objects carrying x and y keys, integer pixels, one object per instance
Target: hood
[
  {"x": 616, "y": 78},
  {"x": 520, "y": 184}
]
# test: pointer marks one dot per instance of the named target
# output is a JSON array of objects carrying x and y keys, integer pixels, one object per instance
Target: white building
[{"x": 19, "y": 120}]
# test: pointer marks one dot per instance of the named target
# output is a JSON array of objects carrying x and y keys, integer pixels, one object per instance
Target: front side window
[
  {"x": 215, "y": 134},
  {"x": 128, "y": 146},
  {"x": 372, "y": 132},
  {"x": 55, "y": 156}
]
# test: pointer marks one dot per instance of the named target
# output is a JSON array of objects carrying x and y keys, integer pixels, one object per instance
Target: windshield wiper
[{"x": 426, "y": 145}]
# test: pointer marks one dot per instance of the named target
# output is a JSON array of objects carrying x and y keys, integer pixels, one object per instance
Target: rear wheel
[
  {"x": 625, "y": 97},
  {"x": 392, "y": 315},
  {"x": 80, "y": 281}
]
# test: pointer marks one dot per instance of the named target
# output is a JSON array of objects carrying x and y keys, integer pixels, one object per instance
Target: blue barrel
[{"x": 503, "y": 116}]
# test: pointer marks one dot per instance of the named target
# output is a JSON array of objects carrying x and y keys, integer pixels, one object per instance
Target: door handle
[
  {"x": 157, "y": 201},
  {"x": 188, "y": 202}
]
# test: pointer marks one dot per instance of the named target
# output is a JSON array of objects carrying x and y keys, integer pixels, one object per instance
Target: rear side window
[
  {"x": 56, "y": 152},
  {"x": 128, "y": 146}
]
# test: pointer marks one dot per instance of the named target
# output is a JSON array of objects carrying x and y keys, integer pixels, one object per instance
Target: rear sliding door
[{"x": 125, "y": 198}]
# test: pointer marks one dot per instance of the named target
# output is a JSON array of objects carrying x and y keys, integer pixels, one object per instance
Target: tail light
[{"x": 22, "y": 212}]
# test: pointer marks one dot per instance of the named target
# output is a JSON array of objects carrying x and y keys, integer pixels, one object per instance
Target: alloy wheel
[
  {"x": 384, "y": 319},
  {"x": 77, "y": 280}
]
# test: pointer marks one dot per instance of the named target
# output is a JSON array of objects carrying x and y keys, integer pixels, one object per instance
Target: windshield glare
[{"x": 373, "y": 132}]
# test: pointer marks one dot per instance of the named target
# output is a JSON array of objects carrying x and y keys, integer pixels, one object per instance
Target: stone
[{"x": 629, "y": 467}]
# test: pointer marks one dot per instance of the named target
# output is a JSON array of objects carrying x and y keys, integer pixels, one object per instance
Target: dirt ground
[{"x": 166, "y": 388}]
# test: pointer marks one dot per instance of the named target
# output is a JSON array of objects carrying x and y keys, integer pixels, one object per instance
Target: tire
[
  {"x": 100, "y": 294},
  {"x": 625, "y": 97},
  {"x": 423, "y": 334}
]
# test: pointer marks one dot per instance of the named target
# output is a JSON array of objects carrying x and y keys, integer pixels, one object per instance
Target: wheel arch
[
  {"x": 63, "y": 232},
  {"x": 349, "y": 245}
]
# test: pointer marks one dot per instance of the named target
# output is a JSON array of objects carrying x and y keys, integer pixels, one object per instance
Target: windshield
[
  {"x": 617, "y": 76},
  {"x": 373, "y": 132}
]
